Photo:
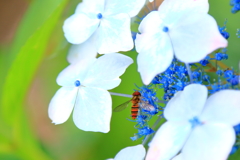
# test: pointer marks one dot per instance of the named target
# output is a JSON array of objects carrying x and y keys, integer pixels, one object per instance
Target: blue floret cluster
[
  {"x": 235, "y": 5},
  {"x": 176, "y": 77}
]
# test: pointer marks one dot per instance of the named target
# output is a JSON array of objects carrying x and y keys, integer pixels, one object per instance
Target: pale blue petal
[
  {"x": 194, "y": 38},
  {"x": 209, "y": 142},
  {"x": 79, "y": 27},
  {"x": 223, "y": 107},
  {"x": 155, "y": 55},
  {"x": 152, "y": 23},
  {"x": 91, "y": 7},
  {"x": 62, "y": 104},
  {"x": 174, "y": 11},
  {"x": 186, "y": 104},
  {"x": 82, "y": 51},
  {"x": 75, "y": 71},
  {"x": 114, "y": 34},
  {"x": 168, "y": 140},
  {"x": 178, "y": 157},
  {"x": 105, "y": 72},
  {"x": 131, "y": 153},
  {"x": 93, "y": 110},
  {"x": 131, "y": 7}
]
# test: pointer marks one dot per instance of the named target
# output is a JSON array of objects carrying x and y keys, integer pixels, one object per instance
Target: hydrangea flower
[
  {"x": 84, "y": 90},
  {"x": 131, "y": 153},
  {"x": 201, "y": 128},
  {"x": 104, "y": 22},
  {"x": 181, "y": 28}
]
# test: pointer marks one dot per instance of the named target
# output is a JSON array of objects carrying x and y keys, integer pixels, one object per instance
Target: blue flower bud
[
  {"x": 206, "y": 77},
  {"x": 165, "y": 29},
  {"x": 225, "y": 34},
  {"x": 204, "y": 62},
  {"x": 218, "y": 56},
  {"x": 99, "y": 16},
  {"x": 77, "y": 83}
]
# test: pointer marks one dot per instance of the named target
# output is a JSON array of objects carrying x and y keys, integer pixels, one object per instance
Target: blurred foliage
[{"x": 28, "y": 70}]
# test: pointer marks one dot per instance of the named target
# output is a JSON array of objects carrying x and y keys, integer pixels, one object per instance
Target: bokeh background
[{"x": 32, "y": 53}]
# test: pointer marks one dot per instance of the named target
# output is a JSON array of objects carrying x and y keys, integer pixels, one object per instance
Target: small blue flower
[
  {"x": 204, "y": 62},
  {"x": 234, "y": 149},
  {"x": 237, "y": 129},
  {"x": 219, "y": 56},
  {"x": 195, "y": 122},
  {"x": 223, "y": 31}
]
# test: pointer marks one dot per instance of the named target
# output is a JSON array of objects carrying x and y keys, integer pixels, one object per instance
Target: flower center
[
  {"x": 165, "y": 29},
  {"x": 77, "y": 83},
  {"x": 99, "y": 15},
  {"x": 195, "y": 122}
]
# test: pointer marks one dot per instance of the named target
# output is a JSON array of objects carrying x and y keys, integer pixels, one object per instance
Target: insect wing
[
  {"x": 121, "y": 107},
  {"x": 147, "y": 106}
]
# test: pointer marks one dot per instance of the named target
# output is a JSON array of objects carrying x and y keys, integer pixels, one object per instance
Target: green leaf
[{"x": 27, "y": 53}]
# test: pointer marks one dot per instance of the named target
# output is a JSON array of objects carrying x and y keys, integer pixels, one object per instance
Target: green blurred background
[{"x": 32, "y": 53}]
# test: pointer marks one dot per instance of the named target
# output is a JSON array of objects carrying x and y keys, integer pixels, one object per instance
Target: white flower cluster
[{"x": 199, "y": 128}]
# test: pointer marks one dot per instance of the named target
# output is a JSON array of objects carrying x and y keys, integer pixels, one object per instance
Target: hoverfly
[{"x": 136, "y": 104}]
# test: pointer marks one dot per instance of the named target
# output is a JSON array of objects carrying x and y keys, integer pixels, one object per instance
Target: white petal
[
  {"x": 93, "y": 110},
  {"x": 114, "y": 34},
  {"x": 79, "y": 27},
  {"x": 209, "y": 142},
  {"x": 187, "y": 104},
  {"x": 223, "y": 107},
  {"x": 62, "y": 104},
  {"x": 131, "y": 153},
  {"x": 155, "y": 55},
  {"x": 75, "y": 71},
  {"x": 124, "y": 6},
  {"x": 91, "y": 7},
  {"x": 105, "y": 72},
  {"x": 174, "y": 11},
  {"x": 178, "y": 157},
  {"x": 82, "y": 51},
  {"x": 168, "y": 140},
  {"x": 195, "y": 37},
  {"x": 152, "y": 23}
]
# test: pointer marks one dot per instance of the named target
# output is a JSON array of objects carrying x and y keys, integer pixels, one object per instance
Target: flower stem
[
  {"x": 189, "y": 72},
  {"x": 153, "y": 127},
  {"x": 130, "y": 96},
  {"x": 120, "y": 94}
]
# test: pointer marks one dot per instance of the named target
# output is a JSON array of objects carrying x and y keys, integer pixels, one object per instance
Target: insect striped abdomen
[
  {"x": 135, "y": 106},
  {"x": 134, "y": 111}
]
